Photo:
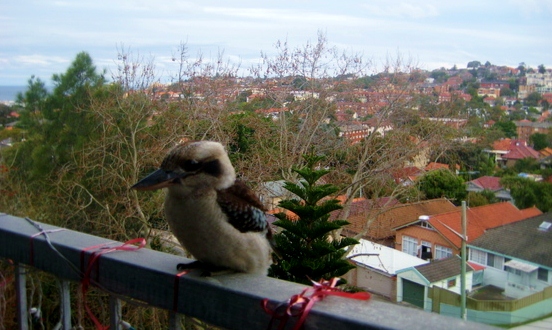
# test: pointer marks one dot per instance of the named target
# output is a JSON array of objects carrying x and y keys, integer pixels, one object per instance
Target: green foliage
[
  {"x": 443, "y": 183},
  {"x": 508, "y": 127},
  {"x": 533, "y": 99},
  {"x": 481, "y": 198},
  {"x": 474, "y": 64},
  {"x": 527, "y": 192},
  {"x": 307, "y": 249},
  {"x": 527, "y": 165},
  {"x": 539, "y": 141}
]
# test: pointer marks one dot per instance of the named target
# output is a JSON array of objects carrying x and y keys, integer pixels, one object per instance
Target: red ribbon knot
[{"x": 299, "y": 305}]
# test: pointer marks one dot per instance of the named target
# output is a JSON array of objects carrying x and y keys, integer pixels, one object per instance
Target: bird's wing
[{"x": 244, "y": 210}]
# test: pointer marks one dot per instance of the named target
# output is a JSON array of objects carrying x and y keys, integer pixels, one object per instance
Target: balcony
[{"x": 142, "y": 276}]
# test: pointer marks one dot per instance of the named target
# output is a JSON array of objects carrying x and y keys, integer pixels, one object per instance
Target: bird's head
[{"x": 192, "y": 165}]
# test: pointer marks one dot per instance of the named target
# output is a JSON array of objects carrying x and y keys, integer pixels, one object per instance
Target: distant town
[{"x": 409, "y": 149}]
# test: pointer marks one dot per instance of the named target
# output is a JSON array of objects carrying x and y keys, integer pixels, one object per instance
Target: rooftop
[
  {"x": 479, "y": 219},
  {"x": 442, "y": 269},
  {"x": 522, "y": 240},
  {"x": 383, "y": 258},
  {"x": 381, "y": 226}
]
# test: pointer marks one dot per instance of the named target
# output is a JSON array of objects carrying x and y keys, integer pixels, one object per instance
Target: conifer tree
[{"x": 307, "y": 251}]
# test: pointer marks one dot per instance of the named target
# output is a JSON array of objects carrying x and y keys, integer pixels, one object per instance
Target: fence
[
  {"x": 440, "y": 295},
  {"x": 231, "y": 301}
]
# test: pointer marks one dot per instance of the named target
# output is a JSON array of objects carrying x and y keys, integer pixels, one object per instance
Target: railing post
[
  {"x": 174, "y": 321},
  {"x": 21, "y": 292},
  {"x": 65, "y": 304},
  {"x": 115, "y": 312}
]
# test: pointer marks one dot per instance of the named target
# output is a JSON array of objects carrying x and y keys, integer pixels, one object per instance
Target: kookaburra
[{"x": 215, "y": 217}]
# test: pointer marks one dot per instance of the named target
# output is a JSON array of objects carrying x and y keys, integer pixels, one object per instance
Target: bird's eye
[{"x": 191, "y": 165}]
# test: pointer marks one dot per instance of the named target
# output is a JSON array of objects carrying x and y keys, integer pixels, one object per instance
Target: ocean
[{"x": 9, "y": 93}]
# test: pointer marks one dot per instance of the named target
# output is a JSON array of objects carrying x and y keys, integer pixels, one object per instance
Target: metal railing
[{"x": 231, "y": 301}]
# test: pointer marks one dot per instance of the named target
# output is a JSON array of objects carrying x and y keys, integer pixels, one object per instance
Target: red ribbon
[
  {"x": 176, "y": 288},
  {"x": 132, "y": 245},
  {"x": 299, "y": 305}
]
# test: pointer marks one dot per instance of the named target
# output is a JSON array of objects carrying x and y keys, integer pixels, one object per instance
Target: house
[
  {"x": 499, "y": 149},
  {"x": 376, "y": 225},
  {"x": 519, "y": 150},
  {"x": 525, "y": 128},
  {"x": 507, "y": 151},
  {"x": 414, "y": 283},
  {"x": 272, "y": 192},
  {"x": 406, "y": 176},
  {"x": 491, "y": 183},
  {"x": 353, "y": 132},
  {"x": 517, "y": 256},
  {"x": 438, "y": 236},
  {"x": 436, "y": 166},
  {"x": 377, "y": 267}
]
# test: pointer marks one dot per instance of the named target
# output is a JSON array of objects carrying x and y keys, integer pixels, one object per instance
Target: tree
[
  {"x": 539, "y": 141},
  {"x": 481, "y": 198},
  {"x": 528, "y": 193},
  {"x": 473, "y": 64},
  {"x": 305, "y": 244},
  {"x": 533, "y": 99},
  {"x": 443, "y": 183},
  {"x": 439, "y": 76},
  {"x": 527, "y": 165},
  {"x": 508, "y": 127},
  {"x": 541, "y": 69},
  {"x": 506, "y": 91}
]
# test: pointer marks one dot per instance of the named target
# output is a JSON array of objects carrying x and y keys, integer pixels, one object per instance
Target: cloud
[
  {"x": 402, "y": 9},
  {"x": 38, "y": 60}
]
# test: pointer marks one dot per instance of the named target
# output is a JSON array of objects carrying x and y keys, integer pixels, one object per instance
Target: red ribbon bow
[{"x": 299, "y": 305}]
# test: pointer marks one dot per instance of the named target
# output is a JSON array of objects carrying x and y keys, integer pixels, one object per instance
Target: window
[
  {"x": 451, "y": 283},
  {"x": 542, "y": 274},
  {"x": 490, "y": 260},
  {"x": 495, "y": 261},
  {"x": 425, "y": 252},
  {"x": 442, "y": 252},
  {"x": 410, "y": 245},
  {"x": 514, "y": 271},
  {"x": 478, "y": 256},
  {"x": 425, "y": 224}
]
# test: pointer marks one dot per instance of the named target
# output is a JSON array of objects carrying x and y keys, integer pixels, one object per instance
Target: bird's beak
[{"x": 157, "y": 180}]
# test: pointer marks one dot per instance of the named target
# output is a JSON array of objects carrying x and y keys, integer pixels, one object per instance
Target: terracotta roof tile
[
  {"x": 521, "y": 239},
  {"x": 521, "y": 151},
  {"x": 503, "y": 144},
  {"x": 435, "y": 166},
  {"x": 488, "y": 182},
  {"x": 479, "y": 219},
  {"x": 383, "y": 221}
]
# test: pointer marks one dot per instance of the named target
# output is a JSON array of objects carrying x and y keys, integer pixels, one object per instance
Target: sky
[{"x": 43, "y": 37}]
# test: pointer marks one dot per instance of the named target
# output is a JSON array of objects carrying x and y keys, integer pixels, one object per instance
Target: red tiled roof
[
  {"x": 545, "y": 152},
  {"x": 436, "y": 166},
  {"x": 475, "y": 266},
  {"x": 383, "y": 221},
  {"x": 488, "y": 182},
  {"x": 521, "y": 151},
  {"x": 479, "y": 219},
  {"x": 502, "y": 144}
]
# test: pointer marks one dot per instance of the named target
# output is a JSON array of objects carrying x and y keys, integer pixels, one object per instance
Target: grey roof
[
  {"x": 442, "y": 269},
  {"x": 521, "y": 240},
  {"x": 273, "y": 188}
]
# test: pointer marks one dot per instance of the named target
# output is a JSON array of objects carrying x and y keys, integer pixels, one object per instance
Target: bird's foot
[{"x": 207, "y": 269}]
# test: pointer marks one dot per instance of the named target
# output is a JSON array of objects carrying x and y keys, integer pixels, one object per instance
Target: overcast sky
[{"x": 42, "y": 37}]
